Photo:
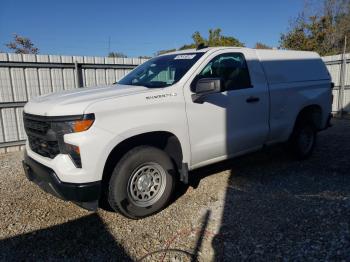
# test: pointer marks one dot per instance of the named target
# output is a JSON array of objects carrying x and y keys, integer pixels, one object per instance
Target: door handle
[{"x": 252, "y": 99}]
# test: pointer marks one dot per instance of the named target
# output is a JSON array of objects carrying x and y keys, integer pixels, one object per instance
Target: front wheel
[
  {"x": 303, "y": 140},
  {"x": 142, "y": 182}
]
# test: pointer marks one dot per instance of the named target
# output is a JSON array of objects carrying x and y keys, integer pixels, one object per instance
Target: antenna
[{"x": 109, "y": 44}]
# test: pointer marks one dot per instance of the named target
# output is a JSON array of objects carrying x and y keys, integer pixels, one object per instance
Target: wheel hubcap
[{"x": 146, "y": 184}]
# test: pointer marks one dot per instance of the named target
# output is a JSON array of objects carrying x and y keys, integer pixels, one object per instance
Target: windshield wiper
[
  {"x": 150, "y": 85},
  {"x": 157, "y": 84}
]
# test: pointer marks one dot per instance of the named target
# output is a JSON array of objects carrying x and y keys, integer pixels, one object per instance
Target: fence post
[
  {"x": 78, "y": 75},
  {"x": 342, "y": 82}
]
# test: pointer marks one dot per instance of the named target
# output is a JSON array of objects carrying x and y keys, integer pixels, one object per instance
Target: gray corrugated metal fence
[
  {"x": 26, "y": 76},
  {"x": 23, "y": 76},
  {"x": 339, "y": 68}
]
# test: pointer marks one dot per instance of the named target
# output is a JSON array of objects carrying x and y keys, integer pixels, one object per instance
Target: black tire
[
  {"x": 126, "y": 180},
  {"x": 303, "y": 139}
]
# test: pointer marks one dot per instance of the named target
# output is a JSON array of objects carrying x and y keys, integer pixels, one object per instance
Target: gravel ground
[{"x": 264, "y": 206}]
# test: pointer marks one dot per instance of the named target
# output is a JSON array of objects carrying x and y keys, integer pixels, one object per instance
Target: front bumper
[{"x": 85, "y": 195}]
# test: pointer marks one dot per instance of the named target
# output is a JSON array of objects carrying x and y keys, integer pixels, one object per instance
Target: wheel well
[
  {"x": 312, "y": 113},
  {"x": 160, "y": 139}
]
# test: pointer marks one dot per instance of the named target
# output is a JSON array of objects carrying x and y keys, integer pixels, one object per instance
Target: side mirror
[{"x": 206, "y": 86}]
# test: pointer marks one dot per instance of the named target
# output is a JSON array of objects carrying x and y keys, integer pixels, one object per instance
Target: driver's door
[{"x": 234, "y": 121}]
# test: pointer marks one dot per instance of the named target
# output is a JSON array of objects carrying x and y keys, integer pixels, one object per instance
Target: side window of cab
[{"x": 231, "y": 68}]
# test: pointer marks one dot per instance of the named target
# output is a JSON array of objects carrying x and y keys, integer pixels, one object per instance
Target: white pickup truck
[{"x": 129, "y": 143}]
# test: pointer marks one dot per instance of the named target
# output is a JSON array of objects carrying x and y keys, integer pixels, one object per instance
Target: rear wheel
[
  {"x": 303, "y": 139},
  {"x": 142, "y": 182}
]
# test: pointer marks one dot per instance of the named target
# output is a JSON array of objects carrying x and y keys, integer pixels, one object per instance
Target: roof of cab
[
  {"x": 268, "y": 52},
  {"x": 203, "y": 50}
]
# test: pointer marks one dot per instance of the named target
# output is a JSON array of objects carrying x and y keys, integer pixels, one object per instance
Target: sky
[{"x": 135, "y": 28}]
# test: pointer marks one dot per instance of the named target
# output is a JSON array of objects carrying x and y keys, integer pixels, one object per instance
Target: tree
[
  {"x": 215, "y": 38},
  {"x": 323, "y": 31},
  {"x": 117, "y": 54},
  {"x": 145, "y": 57},
  {"x": 260, "y": 45},
  {"x": 161, "y": 52},
  {"x": 22, "y": 45}
]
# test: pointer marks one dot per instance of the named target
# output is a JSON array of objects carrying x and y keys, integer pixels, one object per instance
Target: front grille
[
  {"x": 38, "y": 127},
  {"x": 42, "y": 139}
]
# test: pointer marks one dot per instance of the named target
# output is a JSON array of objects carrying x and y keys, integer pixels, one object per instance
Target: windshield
[{"x": 161, "y": 71}]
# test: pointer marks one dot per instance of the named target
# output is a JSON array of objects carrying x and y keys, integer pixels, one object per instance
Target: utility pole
[
  {"x": 109, "y": 44},
  {"x": 342, "y": 82}
]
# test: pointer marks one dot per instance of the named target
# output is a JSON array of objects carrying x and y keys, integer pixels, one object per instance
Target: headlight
[
  {"x": 74, "y": 125},
  {"x": 71, "y": 125}
]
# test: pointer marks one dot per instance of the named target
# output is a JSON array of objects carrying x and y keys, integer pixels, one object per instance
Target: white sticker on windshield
[{"x": 184, "y": 56}]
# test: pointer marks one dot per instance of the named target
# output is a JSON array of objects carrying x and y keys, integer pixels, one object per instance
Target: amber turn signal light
[{"x": 82, "y": 125}]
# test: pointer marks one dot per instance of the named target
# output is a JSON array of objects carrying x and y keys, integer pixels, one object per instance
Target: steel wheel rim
[
  {"x": 146, "y": 184},
  {"x": 306, "y": 139}
]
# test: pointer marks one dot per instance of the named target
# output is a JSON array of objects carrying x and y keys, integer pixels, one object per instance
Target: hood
[{"x": 74, "y": 102}]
